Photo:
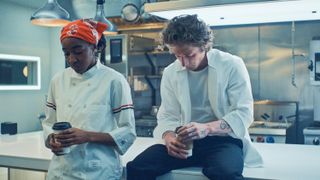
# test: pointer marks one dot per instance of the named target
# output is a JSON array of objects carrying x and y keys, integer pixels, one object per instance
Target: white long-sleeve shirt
[
  {"x": 98, "y": 100},
  {"x": 229, "y": 93}
]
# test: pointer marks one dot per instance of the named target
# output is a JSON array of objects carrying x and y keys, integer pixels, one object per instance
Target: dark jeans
[{"x": 220, "y": 157}]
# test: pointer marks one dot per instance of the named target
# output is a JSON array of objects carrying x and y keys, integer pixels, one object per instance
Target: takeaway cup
[
  {"x": 58, "y": 127},
  {"x": 189, "y": 148},
  {"x": 189, "y": 144}
]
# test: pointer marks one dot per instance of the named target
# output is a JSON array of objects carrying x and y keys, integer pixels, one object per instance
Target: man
[{"x": 208, "y": 93}]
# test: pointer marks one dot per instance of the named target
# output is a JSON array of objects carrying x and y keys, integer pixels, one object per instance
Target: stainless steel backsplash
[{"x": 267, "y": 52}]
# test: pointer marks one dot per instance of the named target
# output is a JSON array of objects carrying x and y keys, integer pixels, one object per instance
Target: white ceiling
[
  {"x": 40, "y": 3},
  {"x": 28, "y": 3},
  {"x": 76, "y": 8}
]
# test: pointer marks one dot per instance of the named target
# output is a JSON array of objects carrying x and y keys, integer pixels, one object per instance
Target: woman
[{"x": 96, "y": 101}]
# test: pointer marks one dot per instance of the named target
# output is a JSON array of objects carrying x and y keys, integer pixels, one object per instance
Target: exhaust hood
[{"x": 235, "y": 12}]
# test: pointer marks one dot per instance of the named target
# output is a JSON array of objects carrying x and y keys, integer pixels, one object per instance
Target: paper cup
[
  {"x": 57, "y": 128},
  {"x": 189, "y": 148}
]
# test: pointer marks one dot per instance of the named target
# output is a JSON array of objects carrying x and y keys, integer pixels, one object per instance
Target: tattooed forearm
[
  {"x": 219, "y": 128},
  {"x": 224, "y": 125}
]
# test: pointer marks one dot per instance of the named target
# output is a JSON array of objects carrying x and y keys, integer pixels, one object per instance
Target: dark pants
[{"x": 220, "y": 157}]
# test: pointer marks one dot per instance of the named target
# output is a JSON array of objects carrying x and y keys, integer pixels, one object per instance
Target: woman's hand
[
  {"x": 51, "y": 143},
  {"x": 72, "y": 136},
  {"x": 192, "y": 131},
  {"x": 174, "y": 146}
]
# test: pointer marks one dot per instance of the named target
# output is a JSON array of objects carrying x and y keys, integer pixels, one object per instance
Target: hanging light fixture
[
  {"x": 112, "y": 29},
  {"x": 51, "y": 14}
]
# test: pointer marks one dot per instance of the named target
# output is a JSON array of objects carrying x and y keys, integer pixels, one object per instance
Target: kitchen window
[{"x": 19, "y": 72}]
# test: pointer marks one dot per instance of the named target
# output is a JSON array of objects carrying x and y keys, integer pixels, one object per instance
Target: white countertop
[{"x": 282, "y": 161}]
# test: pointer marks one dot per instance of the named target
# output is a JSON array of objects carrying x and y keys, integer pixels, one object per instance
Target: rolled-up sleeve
[
  {"x": 169, "y": 115},
  {"x": 122, "y": 108}
]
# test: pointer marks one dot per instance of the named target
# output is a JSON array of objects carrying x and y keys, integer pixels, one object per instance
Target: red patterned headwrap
[{"x": 85, "y": 29}]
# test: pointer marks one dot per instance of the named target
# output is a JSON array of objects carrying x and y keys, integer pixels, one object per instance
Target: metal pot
[{"x": 154, "y": 110}]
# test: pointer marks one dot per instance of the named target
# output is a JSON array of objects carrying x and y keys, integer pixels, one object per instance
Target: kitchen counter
[{"x": 282, "y": 161}]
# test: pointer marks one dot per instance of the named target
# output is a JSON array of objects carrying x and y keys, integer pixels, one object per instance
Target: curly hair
[{"x": 187, "y": 29}]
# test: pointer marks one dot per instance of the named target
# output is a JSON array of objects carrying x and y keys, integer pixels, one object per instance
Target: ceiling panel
[{"x": 28, "y": 3}]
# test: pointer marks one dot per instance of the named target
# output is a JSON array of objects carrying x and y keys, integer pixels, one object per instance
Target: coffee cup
[
  {"x": 189, "y": 144},
  {"x": 189, "y": 147},
  {"x": 59, "y": 127}
]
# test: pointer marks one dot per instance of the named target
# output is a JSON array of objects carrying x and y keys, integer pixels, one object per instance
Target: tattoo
[{"x": 224, "y": 125}]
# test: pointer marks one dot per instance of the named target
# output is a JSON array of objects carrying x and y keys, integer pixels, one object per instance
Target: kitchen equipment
[
  {"x": 130, "y": 13},
  {"x": 154, "y": 111},
  {"x": 275, "y": 121},
  {"x": 146, "y": 93},
  {"x": 314, "y": 54},
  {"x": 101, "y": 17},
  {"x": 120, "y": 46},
  {"x": 312, "y": 135},
  {"x": 145, "y": 126},
  {"x": 9, "y": 128},
  {"x": 269, "y": 132}
]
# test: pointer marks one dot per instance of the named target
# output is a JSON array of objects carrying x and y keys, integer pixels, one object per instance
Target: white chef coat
[
  {"x": 230, "y": 96},
  {"x": 98, "y": 100}
]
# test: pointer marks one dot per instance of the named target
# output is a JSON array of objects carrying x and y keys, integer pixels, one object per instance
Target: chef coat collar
[{"x": 88, "y": 74}]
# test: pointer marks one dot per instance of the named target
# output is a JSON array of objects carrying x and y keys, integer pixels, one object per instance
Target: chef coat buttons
[
  {"x": 81, "y": 175},
  {"x": 123, "y": 141},
  {"x": 69, "y": 105}
]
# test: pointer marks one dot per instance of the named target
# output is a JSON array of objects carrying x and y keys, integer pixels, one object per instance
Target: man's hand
[
  {"x": 175, "y": 148},
  {"x": 193, "y": 131},
  {"x": 72, "y": 136}
]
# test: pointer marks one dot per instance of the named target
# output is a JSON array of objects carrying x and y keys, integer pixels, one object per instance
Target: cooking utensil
[{"x": 154, "y": 110}]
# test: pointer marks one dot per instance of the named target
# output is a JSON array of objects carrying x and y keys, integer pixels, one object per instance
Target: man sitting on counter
[{"x": 206, "y": 104}]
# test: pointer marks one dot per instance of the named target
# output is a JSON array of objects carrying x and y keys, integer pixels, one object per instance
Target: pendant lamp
[
  {"x": 51, "y": 14},
  {"x": 112, "y": 29}
]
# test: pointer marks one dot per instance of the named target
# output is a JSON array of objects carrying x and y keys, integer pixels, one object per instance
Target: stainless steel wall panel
[
  {"x": 267, "y": 52},
  {"x": 242, "y": 41}
]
